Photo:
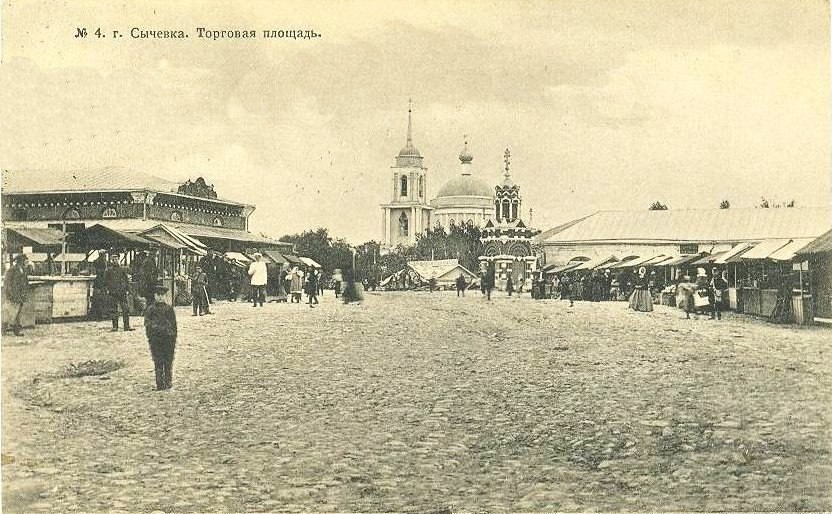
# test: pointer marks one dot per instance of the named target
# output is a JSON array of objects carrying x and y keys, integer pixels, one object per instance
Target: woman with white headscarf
[{"x": 641, "y": 300}]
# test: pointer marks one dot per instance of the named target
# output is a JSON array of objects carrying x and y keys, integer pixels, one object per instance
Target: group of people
[
  {"x": 706, "y": 295},
  {"x": 291, "y": 284}
]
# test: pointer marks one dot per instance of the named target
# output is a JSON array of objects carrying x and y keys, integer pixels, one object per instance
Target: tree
[
  {"x": 658, "y": 206},
  {"x": 724, "y": 204}
]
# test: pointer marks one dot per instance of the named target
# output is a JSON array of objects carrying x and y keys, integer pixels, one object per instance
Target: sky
[{"x": 605, "y": 105}]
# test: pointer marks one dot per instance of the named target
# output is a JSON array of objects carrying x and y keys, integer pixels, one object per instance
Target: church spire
[
  {"x": 409, "y": 155},
  {"x": 507, "y": 159},
  {"x": 409, "y": 122}
]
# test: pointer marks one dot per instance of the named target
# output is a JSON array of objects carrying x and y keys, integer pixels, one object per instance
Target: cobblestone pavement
[{"x": 423, "y": 402}]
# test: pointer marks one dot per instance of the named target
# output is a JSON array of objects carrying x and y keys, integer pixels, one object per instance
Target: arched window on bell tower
[
  {"x": 421, "y": 186},
  {"x": 514, "y": 206},
  {"x": 403, "y": 186},
  {"x": 506, "y": 206}
]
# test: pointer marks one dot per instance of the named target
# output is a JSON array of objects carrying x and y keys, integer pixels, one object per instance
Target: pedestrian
[
  {"x": 117, "y": 284},
  {"x": 320, "y": 280},
  {"x": 16, "y": 289},
  {"x": 718, "y": 286},
  {"x": 606, "y": 285},
  {"x": 509, "y": 285},
  {"x": 296, "y": 287},
  {"x": 259, "y": 276},
  {"x": 640, "y": 300},
  {"x": 160, "y": 328},
  {"x": 566, "y": 289},
  {"x": 198, "y": 291},
  {"x": 148, "y": 276},
  {"x": 684, "y": 296},
  {"x": 460, "y": 285},
  {"x": 701, "y": 288},
  {"x": 281, "y": 288},
  {"x": 312, "y": 288}
]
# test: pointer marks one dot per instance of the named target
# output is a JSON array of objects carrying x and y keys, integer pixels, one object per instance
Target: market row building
[{"x": 65, "y": 220}]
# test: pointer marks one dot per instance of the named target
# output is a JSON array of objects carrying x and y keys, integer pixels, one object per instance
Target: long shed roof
[{"x": 703, "y": 225}]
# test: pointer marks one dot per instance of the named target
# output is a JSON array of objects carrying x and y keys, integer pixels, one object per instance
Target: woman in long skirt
[{"x": 641, "y": 300}]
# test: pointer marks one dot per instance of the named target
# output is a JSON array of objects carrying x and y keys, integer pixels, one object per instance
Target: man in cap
[
  {"x": 148, "y": 276},
  {"x": 116, "y": 283},
  {"x": 160, "y": 328},
  {"x": 200, "y": 296},
  {"x": 259, "y": 277},
  {"x": 16, "y": 288}
]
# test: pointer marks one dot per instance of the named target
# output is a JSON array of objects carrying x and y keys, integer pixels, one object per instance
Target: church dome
[
  {"x": 465, "y": 185},
  {"x": 409, "y": 151}
]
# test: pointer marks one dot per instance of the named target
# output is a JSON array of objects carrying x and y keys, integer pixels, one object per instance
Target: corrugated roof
[
  {"x": 111, "y": 178},
  {"x": 694, "y": 225},
  {"x": 820, "y": 245},
  {"x": 765, "y": 248}
]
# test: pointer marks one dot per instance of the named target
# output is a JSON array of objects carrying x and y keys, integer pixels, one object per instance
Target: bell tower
[
  {"x": 508, "y": 195},
  {"x": 407, "y": 214}
]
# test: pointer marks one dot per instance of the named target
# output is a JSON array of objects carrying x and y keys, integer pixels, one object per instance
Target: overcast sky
[{"x": 604, "y": 105}]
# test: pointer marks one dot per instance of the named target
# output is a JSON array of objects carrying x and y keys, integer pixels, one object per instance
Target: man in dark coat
[
  {"x": 460, "y": 285},
  {"x": 148, "y": 276},
  {"x": 160, "y": 328},
  {"x": 16, "y": 289},
  {"x": 116, "y": 282},
  {"x": 200, "y": 295}
]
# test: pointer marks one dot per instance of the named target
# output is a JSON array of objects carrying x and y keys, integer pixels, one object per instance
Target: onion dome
[{"x": 465, "y": 156}]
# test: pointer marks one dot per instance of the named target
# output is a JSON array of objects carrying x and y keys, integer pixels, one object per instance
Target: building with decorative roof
[
  {"x": 465, "y": 199},
  {"x": 508, "y": 244},
  {"x": 126, "y": 200}
]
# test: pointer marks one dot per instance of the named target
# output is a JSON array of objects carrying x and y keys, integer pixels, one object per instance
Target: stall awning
[
  {"x": 39, "y": 236},
  {"x": 734, "y": 252},
  {"x": 660, "y": 260},
  {"x": 683, "y": 260},
  {"x": 765, "y": 248},
  {"x": 237, "y": 256},
  {"x": 594, "y": 263},
  {"x": 99, "y": 237},
  {"x": 309, "y": 262},
  {"x": 276, "y": 257},
  {"x": 789, "y": 251},
  {"x": 638, "y": 261},
  {"x": 168, "y": 242},
  {"x": 708, "y": 259},
  {"x": 293, "y": 260},
  {"x": 174, "y": 238},
  {"x": 61, "y": 257}
]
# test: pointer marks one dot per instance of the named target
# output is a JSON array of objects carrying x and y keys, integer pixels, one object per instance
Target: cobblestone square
[{"x": 423, "y": 402}]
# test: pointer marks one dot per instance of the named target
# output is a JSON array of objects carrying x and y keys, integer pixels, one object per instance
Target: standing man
[
  {"x": 16, "y": 288},
  {"x": 259, "y": 276},
  {"x": 117, "y": 284},
  {"x": 200, "y": 296},
  {"x": 312, "y": 287},
  {"x": 509, "y": 285},
  {"x": 160, "y": 328},
  {"x": 460, "y": 285},
  {"x": 148, "y": 274}
]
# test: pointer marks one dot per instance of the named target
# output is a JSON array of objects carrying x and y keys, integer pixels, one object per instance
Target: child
[{"x": 160, "y": 327}]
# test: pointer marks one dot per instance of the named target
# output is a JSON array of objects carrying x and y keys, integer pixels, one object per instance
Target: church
[{"x": 463, "y": 200}]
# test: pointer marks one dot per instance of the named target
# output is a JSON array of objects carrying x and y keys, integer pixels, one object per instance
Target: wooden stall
[{"x": 57, "y": 298}]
